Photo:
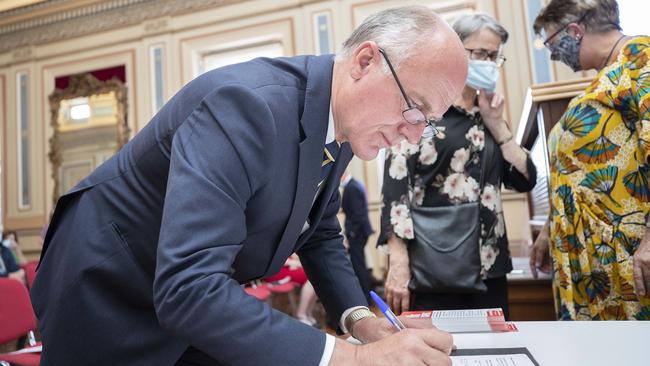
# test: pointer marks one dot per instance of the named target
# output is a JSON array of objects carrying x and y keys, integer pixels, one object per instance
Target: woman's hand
[
  {"x": 396, "y": 286},
  {"x": 491, "y": 109},
  {"x": 540, "y": 257},
  {"x": 641, "y": 268}
]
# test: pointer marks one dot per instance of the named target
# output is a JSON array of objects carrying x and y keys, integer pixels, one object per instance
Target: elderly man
[{"x": 143, "y": 260}]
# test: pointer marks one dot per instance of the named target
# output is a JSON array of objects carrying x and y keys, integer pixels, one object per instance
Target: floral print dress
[
  {"x": 447, "y": 171},
  {"x": 599, "y": 191}
]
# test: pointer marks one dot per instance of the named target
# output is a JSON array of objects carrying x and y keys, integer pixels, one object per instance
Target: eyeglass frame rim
[
  {"x": 500, "y": 56},
  {"x": 563, "y": 28},
  {"x": 427, "y": 121}
]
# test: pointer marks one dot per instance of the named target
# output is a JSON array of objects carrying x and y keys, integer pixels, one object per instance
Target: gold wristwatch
[{"x": 355, "y": 316}]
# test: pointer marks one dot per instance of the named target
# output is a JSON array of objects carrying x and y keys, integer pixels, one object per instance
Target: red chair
[
  {"x": 283, "y": 287},
  {"x": 30, "y": 272},
  {"x": 17, "y": 319},
  {"x": 260, "y": 292}
]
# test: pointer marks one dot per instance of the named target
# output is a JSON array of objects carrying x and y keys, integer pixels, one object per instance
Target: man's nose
[{"x": 413, "y": 133}]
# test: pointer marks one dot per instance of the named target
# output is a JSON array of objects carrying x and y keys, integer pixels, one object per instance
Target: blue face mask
[{"x": 482, "y": 74}]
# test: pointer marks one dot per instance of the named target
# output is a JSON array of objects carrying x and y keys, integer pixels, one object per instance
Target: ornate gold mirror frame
[{"x": 84, "y": 85}]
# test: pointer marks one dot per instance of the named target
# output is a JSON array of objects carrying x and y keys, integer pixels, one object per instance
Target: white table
[{"x": 558, "y": 343}]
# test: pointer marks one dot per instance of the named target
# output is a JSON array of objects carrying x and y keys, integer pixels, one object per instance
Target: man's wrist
[
  {"x": 345, "y": 353},
  {"x": 355, "y": 316}
]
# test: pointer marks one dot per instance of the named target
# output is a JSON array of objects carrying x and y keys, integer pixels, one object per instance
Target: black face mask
[{"x": 567, "y": 50}]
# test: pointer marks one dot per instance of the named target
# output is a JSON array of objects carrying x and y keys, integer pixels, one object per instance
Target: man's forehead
[{"x": 438, "y": 94}]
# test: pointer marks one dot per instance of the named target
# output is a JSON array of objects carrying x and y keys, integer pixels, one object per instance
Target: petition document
[{"x": 493, "y": 357}]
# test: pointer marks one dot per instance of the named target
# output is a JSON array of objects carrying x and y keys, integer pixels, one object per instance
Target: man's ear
[{"x": 364, "y": 57}]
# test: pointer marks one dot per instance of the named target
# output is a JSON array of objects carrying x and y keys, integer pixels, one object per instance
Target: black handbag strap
[{"x": 487, "y": 155}]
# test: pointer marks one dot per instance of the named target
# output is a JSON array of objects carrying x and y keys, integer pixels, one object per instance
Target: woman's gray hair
[
  {"x": 596, "y": 15},
  {"x": 397, "y": 31},
  {"x": 468, "y": 24}
]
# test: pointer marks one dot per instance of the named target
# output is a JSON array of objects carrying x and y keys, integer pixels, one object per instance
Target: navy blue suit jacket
[
  {"x": 355, "y": 208},
  {"x": 145, "y": 257}
]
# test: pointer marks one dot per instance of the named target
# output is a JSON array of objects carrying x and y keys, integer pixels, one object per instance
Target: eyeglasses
[
  {"x": 483, "y": 54},
  {"x": 549, "y": 38},
  {"x": 412, "y": 114}
]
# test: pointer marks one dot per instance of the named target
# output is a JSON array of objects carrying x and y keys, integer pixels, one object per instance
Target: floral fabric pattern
[
  {"x": 599, "y": 191},
  {"x": 446, "y": 171}
]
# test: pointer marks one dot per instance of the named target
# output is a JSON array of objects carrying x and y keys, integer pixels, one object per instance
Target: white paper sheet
[{"x": 518, "y": 359}]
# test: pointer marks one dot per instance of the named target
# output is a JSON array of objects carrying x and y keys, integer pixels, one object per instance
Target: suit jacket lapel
[
  {"x": 314, "y": 124},
  {"x": 332, "y": 183}
]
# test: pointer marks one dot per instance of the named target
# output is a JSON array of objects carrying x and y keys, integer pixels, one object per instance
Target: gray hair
[
  {"x": 468, "y": 24},
  {"x": 596, "y": 15},
  {"x": 398, "y": 31}
]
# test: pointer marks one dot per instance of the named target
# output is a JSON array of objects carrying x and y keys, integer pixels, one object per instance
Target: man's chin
[{"x": 367, "y": 153}]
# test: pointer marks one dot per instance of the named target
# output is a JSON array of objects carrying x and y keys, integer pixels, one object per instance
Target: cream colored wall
[{"x": 184, "y": 38}]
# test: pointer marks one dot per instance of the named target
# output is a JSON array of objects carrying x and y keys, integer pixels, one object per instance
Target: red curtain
[{"x": 119, "y": 72}]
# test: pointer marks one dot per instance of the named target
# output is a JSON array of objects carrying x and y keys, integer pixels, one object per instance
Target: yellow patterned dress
[{"x": 599, "y": 191}]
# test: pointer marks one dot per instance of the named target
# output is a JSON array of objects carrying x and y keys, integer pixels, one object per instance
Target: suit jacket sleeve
[
  {"x": 325, "y": 261},
  {"x": 217, "y": 163}
]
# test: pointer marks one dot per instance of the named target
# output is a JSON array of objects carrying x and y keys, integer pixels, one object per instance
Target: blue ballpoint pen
[{"x": 387, "y": 312}]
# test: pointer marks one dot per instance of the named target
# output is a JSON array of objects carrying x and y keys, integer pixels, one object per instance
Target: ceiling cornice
[
  {"x": 51, "y": 21},
  {"x": 40, "y": 9}
]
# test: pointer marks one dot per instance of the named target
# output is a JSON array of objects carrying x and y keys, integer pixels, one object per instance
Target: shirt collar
[
  {"x": 331, "y": 132},
  {"x": 346, "y": 180}
]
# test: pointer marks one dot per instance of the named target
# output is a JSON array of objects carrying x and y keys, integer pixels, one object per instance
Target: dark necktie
[{"x": 330, "y": 153}]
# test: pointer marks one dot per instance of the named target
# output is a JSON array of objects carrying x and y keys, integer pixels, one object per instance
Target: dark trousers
[
  {"x": 495, "y": 297},
  {"x": 358, "y": 259}
]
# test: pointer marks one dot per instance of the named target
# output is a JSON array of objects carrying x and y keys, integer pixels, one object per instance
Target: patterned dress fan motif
[{"x": 599, "y": 191}]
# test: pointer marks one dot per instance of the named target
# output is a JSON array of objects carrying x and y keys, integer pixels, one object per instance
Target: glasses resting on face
[
  {"x": 412, "y": 114},
  {"x": 481, "y": 54},
  {"x": 564, "y": 28}
]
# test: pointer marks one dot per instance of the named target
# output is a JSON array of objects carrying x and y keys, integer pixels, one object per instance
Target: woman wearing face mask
[
  {"x": 445, "y": 171},
  {"x": 599, "y": 167}
]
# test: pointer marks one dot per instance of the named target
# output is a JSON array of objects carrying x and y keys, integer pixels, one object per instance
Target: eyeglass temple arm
[
  {"x": 392, "y": 70},
  {"x": 432, "y": 126}
]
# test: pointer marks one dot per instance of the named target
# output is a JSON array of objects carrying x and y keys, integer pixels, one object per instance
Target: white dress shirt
[{"x": 329, "y": 339}]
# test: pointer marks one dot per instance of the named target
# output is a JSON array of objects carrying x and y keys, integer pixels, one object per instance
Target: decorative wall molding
[
  {"x": 156, "y": 26},
  {"x": 23, "y": 53},
  {"x": 61, "y": 15},
  {"x": 95, "y": 18}
]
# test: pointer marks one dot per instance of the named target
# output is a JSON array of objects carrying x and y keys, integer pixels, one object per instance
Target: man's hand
[
  {"x": 641, "y": 268},
  {"x": 540, "y": 257},
  {"x": 372, "y": 329},
  {"x": 398, "y": 295},
  {"x": 407, "y": 347}
]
